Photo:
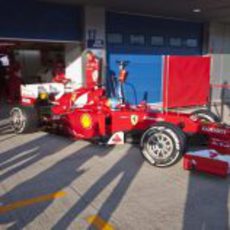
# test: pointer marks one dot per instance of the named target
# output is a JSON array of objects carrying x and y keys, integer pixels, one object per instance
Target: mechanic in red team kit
[
  {"x": 2, "y": 81},
  {"x": 59, "y": 73},
  {"x": 92, "y": 70},
  {"x": 14, "y": 81}
]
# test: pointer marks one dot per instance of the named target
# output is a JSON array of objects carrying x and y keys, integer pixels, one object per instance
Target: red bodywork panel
[
  {"x": 106, "y": 121},
  {"x": 76, "y": 127},
  {"x": 219, "y": 137}
]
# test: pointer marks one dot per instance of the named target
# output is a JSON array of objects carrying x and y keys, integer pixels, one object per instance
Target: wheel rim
[
  {"x": 17, "y": 120},
  {"x": 160, "y": 146}
]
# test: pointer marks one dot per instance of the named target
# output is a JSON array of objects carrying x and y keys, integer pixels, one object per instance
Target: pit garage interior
[
  {"x": 49, "y": 181},
  {"x": 30, "y": 56}
]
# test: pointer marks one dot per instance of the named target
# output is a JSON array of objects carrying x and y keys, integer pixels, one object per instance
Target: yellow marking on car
[
  {"x": 28, "y": 202},
  {"x": 99, "y": 223},
  {"x": 86, "y": 121},
  {"x": 43, "y": 96}
]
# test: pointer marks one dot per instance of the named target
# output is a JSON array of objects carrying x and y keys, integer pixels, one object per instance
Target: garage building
[{"x": 140, "y": 35}]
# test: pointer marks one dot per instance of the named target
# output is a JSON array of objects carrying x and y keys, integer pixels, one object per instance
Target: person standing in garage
[
  {"x": 45, "y": 74},
  {"x": 4, "y": 63},
  {"x": 14, "y": 81},
  {"x": 59, "y": 72},
  {"x": 93, "y": 70},
  {"x": 2, "y": 80}
]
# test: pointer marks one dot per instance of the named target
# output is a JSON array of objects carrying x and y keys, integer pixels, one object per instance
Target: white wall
[
  {"x": 73, "y": 61},
  {"x": 219, "y": 37},
  {"x": 219, "y": 48},
  {"x": 94, "y": 20}
]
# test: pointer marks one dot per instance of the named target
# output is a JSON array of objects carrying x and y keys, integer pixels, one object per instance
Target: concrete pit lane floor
[{"x": 52, "y": 182}]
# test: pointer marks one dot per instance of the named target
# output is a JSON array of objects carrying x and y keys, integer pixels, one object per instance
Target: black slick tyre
[
  {"x": 23, "y": 120},
  {"x": 163, "y": 144},
  {"x": 205, "y": 116}
]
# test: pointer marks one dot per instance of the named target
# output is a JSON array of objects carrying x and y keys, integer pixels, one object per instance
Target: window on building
[
  {"x": 115, "y": 38},
  {"x": 137, "y": 39},
  {"x": 175, "y": 42},
  {"x": 191, "y": 42},
  {"x": 157, "y": 41}
]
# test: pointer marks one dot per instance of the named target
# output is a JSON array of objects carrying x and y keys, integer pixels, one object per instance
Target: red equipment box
[{"x": 208, "y": 161}]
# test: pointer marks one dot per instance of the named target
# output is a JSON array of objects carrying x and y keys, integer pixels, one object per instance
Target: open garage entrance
[
  {"x": 33, "y": 57},
  {"x": 31, "y": 62}
]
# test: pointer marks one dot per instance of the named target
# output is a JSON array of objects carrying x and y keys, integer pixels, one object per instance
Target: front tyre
[
  {"x": 23, "y": 120},
  {"x": 163, "y": 144}
]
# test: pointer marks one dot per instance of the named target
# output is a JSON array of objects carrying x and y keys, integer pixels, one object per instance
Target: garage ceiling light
[
  {"x": 7, "y": 44},
  {"x": 196, "y": 10}
]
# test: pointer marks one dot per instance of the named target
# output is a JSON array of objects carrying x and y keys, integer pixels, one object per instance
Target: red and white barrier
[{"x": 209, "y": 161}]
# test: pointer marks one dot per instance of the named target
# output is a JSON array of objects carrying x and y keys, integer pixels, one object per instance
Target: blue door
[{"x": 144, "y": 76}]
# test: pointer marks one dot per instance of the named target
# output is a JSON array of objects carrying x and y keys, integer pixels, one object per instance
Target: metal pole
[
  {"x": 222, "y": 103},
  {"x": 210, "y": 98}
]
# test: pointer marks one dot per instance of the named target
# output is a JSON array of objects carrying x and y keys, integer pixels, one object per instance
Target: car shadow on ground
[
  {"x": 49, "y": 181},
  {"x": 60, "y": 176},
  {"x": 6, "y": 129},
  {"x": 206, "y": 206},
  {"x": 4, "y": 110},
  {"x": 121, "y": 169},
  {"x": 19, "y": 158}
]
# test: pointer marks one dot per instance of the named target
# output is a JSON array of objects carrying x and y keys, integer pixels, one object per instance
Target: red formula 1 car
[{"x": 87, "y": 113}]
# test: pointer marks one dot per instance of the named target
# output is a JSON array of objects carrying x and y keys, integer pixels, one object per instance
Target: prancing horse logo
[{"x": 134, "y": 119}]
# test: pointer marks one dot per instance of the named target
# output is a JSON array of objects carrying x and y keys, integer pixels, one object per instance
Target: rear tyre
[
  {"x": 163, "y": 144},
  {"x": 23, "y": 120},
  {"x": 205, "y": 116}
]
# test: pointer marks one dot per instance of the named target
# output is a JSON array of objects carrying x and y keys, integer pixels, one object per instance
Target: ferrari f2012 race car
[{"x": 87, "y": 113}]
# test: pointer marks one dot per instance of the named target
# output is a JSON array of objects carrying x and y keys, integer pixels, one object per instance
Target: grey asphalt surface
[{"x": 114, "y": 183}]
